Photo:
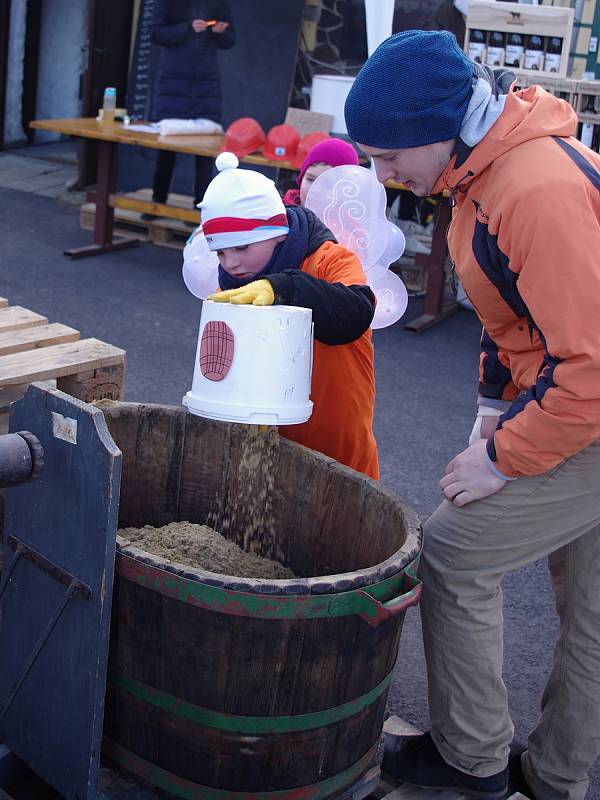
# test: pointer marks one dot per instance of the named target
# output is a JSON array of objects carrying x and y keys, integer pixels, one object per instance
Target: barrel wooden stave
[{"x": 314, "y": 515}]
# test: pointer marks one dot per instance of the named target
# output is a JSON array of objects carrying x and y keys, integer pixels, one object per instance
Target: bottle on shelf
[
  {"x": 534, "y": 53},
  {"x": 515, "y": 48},
  {"x": 553, "y": 54},
  {"x": 586, "y": 135},
  {"x": 109, "y": 103},
  {"x": 495, "y": 50},
  {"x": 588, "y": 130},
  {"x": 476, "y": 50}
]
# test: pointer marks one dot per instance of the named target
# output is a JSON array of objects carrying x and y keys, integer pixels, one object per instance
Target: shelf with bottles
[{"x": 532, "y": 40}]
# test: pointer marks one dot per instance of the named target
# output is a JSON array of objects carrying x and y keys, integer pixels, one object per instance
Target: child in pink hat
[{"x": 323, "y": 156}]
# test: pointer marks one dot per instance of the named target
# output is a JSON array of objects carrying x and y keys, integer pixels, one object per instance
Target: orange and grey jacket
[
  {"x": 525, "y": 241},
  {"x": 331, "y": 282}
]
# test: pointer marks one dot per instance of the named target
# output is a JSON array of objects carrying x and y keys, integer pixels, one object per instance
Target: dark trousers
[{"x": 165, "y": 163}]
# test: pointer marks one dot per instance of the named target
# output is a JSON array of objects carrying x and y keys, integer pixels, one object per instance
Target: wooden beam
[
  {"x": 158, "y": 209},
  {"x": 15, "y": 317},
  {"x": 58, "y": 361},
  {"x": 22, "y": 339}
]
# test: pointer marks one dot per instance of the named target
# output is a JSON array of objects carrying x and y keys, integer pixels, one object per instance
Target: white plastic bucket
[
  {"x": 253, "y": 364},
  {"x": 380, "y": 19},
  {"x": 328, "y": 95}
]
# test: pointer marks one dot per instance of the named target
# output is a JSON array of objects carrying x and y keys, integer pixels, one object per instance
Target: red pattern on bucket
[{"x": 216, "y": 350}]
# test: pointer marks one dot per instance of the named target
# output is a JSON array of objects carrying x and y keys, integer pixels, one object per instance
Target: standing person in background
[
  {"x": 188, "y": 83},
  {"x": 525, "y": 238}
]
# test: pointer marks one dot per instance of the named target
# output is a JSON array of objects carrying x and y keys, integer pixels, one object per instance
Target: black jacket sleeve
[
  {"x": 166, "y": 33},
  {"x": 341, "y": 314},
  {"x": 226, "y": 39}
]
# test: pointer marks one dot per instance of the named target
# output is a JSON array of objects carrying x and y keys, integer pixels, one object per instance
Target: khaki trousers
[{"x": 466, "y": 553}]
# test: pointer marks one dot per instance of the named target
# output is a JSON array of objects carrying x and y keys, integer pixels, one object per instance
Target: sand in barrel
[{"x": 201, "y": 547}]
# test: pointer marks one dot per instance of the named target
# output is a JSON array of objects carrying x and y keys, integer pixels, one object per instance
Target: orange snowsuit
[
  {"x": 343, "y": 379},
  {"x": 525, "y": 240}
]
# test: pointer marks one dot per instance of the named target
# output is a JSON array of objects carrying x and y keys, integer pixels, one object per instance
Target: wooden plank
[
  {"x": 9, "y": 394},
  {"x": 58, "y": 361},
  {"x": 15, "y": 317},
  {"x": 159, "y": 209},
  {"x": 22, "y": 339}
]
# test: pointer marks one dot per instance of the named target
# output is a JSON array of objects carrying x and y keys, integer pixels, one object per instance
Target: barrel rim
[
  {"x": 318, "y": 584},
  {"x": 321, "y": 584}
]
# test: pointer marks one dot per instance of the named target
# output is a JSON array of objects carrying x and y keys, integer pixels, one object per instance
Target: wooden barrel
[{"x": 228, "y": 687}]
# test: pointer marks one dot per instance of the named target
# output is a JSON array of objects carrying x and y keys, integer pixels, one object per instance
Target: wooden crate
[
  {"x": 128, "y": 219},
  {"x": 585, "y": 90},
  {"x": 31, "y": 349},
  {"x": 544, "y": 21}
]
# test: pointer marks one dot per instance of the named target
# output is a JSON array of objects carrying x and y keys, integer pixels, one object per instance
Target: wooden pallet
[
  {"x": 128, "y": 222},
  {"x": 32, "y": 349}
]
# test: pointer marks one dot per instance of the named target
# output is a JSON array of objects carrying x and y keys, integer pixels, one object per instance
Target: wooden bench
[{"x": 32, "y": 349}]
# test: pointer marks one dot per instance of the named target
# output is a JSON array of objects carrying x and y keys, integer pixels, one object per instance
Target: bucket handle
[{"x": 374, "y": 611}]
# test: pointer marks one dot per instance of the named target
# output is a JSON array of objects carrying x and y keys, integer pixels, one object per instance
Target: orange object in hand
[{"x": 211, "y": 22}]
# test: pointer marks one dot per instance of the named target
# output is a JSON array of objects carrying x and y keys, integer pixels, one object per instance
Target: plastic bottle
[
  {"x": 514, "y": 50},
  {"x": 553, "y": 53},
  {"x": 534, "y": 54},
  {"x": 495, "y": 51},
  {"x": 477, "y": 46},
  {"x": 109, "y": 103}
]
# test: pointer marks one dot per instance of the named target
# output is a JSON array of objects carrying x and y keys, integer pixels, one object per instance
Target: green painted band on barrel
[
  {"x": 366, "y": 602},
  {"x": 250, "y": 725}
]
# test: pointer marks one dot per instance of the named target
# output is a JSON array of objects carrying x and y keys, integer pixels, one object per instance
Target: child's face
[
  {"x": 246, "y": 261},
  {"x": 311, "y": 175}
]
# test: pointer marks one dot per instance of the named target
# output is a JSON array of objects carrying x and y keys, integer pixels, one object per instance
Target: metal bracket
[{"x": 74, "y": 587}]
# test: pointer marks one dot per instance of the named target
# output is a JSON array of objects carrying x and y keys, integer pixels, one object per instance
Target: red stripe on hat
[{"x": 238, "y": 224}]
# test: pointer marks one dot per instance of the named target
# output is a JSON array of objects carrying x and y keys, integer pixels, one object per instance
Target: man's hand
[
  {"x": 220, "y": 27},
  {"x": 199, "y": 25},
  {"x": 257, "y": 293},
  {"x": 468, "y": 476}
]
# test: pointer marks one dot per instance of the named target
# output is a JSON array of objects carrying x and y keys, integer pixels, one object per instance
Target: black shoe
[
  {"x": 416, "y": 760},
  {"x": 516, "y": 779}
]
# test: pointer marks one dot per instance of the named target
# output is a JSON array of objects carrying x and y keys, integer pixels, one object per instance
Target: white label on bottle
[
  {"x": 514, "y": 54},
  {"x": 476, "y": 51},
  {"x": 552, "y": 62},
  {"x": 495, "y": 56},
  {"x": 587, "y": 134},
  {"x": 534, "y": 59}
]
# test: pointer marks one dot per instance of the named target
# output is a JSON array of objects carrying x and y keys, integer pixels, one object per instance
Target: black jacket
[
  {"x": 341, "y": 314},
  {"x": 188, "y": 83}
]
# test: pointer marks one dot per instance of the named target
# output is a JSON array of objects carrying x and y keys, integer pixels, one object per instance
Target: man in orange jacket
[
  {"x": 269, "y": 254},
  {"x": 525, "y": 240}
]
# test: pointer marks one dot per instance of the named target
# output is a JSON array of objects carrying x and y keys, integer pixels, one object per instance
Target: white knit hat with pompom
[{"x": 240, "y": 207}]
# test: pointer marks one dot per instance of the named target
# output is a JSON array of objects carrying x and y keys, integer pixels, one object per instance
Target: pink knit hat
[{"x": 334, "y": 152}]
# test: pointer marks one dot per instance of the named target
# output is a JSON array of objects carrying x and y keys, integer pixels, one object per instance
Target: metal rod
[{"x": 71, "y": 591}]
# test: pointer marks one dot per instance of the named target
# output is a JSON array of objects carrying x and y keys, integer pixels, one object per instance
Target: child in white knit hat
[{"x": 272, "y": 254}]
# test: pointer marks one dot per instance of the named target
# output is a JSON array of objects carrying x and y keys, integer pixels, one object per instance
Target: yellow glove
[{"x": 257, "y": 293}]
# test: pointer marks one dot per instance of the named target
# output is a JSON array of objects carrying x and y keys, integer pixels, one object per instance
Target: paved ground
[{"x": 426, "y": 389}]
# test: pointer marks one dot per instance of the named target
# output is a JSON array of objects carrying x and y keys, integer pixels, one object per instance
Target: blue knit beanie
[{"x": 414, "y": 90}]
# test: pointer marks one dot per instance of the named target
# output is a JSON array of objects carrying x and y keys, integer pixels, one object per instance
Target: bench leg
[
  {"x": 435, "y": 309},
  {"x": 106, "y": 383},
  {"x": 103, "y": 227}
]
